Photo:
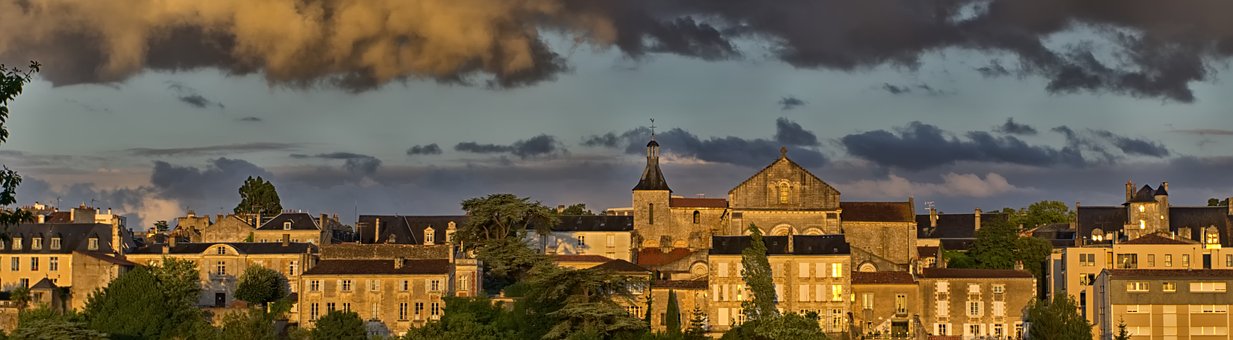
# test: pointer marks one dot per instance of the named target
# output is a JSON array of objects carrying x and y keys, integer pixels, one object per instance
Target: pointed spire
[{"x": 652, "y": 177}]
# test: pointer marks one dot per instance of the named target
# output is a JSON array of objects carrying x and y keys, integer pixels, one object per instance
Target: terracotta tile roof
[
  {"x": 876, "y": 211},
  {"x": 621, "y": 266},
  {"x": 376, "y": 267},
  {"x": 652, "y": 257},
  {"x": 875, "y": 278},
  {"x": 580, "y": 258},
  {"x": 968, "y": 273},
  {"x": 679, "y": 284},
  {"x": 698, "y": 202},
  {"x": 1168, "y": 273},
  {"x": 1156, "y": 239}
]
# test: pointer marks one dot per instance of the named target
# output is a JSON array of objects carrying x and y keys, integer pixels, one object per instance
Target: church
[{"x": 673, "y": 234}]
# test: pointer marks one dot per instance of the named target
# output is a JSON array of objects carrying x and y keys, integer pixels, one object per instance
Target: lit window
[
  {"x": 287, "y": 225},
  {"x": 836, "y": 269},
  {"x": 836, "y": 293},
  {"x": 1213, "y": 236},
  {"x": 1168, "y": 287},
  {"x": 1136, "y": 286}
]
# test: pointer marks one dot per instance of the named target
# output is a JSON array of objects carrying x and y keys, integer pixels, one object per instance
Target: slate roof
[
  {"x": 243, "y": 247},
  {"x": 778, "y": 245},
  {"x": 299, "y": 221},
  {"x": 379, "y": 267},
  {"x": 874, "y": 278},
  {"x": 1196, "y": 218},
  {"x": 45, "y": 283},
  {"x": 1145, "y": 194},
  {"x": 656, "y": 257},
  {"x": 927, "y": 251},
  {"x": 876, "y": 211},
  {"x": 73, "y": 237},
  {"x": 59, "y": 217},
  {"x": 1156, "y": 239},
  {"x": 621, "y": 266},
  {"x": 697, "y": 202},
  {"x": 953, "y": 225},
  {"x": 406, "y": 229},
  {"x": 595, "y": 223},
  {"x": 679, "y": 284},
  {"x": 1170, "y": 273},
  {"x": 652, "y": 178},
  {"x": 108, "y": 258},
  {"x": 966, "y": 273}
]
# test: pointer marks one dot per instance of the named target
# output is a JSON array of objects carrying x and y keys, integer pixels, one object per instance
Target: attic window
[
  {"x": 222, "y": 251},
  {"x": 55, "y": 243},
  {"x": 1212, "y": 236},
  {"x": 287, "y": 225},
  {"x": 16, "y": 243},
  {"x": 92, "y": 244},
  {"x": 429, "y": 236},
  {"x": 1098, "y": 235}
]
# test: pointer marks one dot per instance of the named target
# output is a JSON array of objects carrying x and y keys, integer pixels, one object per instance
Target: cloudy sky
[{"x": 153, "y": 107}]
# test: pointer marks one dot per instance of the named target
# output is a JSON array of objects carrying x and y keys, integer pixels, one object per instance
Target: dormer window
[
  {"x": 92, "y": 244},
  {"x": 222, "y": 251},
  {"x": 1212, "y": 236},
  {"x": 1098, "y": 235},
  {"x": 287, "y": 225},
  {"x": 429, "y": 236},
  {"x": 16, "y": 243},
  {"x": 55, "y": 243},
  {"x": 1141, "y": 208},
  {"x": 36, "y": 243}
]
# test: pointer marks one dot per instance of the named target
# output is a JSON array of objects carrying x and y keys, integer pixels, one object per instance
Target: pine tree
[
  {"x": 647, "y": 315},
  {"x": 1122, "y": 334},
  {"x": 697, "y": 323},
  {"x": 672, "y": 315},
  {"x": 756, "y": 272},
  {"x": 258, "y": 196}
]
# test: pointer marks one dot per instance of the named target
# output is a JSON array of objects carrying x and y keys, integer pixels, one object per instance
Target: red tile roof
[
  {"x": 656, "y": 257},
  {"x": 877, "y": 211},
  {"x": 874, "y": 278},
  {"x": 1156, "y": 239},
  {"x": 969, "y": 273},
  {"x": 698, "y": 202}
]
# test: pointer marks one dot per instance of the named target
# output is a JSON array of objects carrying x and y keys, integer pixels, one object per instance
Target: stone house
[
  {"x": 975, "y": 303},
  {"x": 886, "y": 304},
  {"x": 81, "y": 257},
  {"x": 300, "y": 227}
]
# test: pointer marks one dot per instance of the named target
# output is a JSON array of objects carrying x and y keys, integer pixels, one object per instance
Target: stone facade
[
  {"x": 975, "y": 303},
  {"x": 886, "y": 304},
  {"x": 228, "y": 228}
]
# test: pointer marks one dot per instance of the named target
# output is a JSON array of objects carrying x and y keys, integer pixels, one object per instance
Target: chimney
[
  {"x": 1130, "y": 190},
  {"x": 1229, "y": 204},
  {"x": 116, "y": 246},
  {"x": 218, "y": 219},
  {"x": 1165, "y": 185},
  {"x": 258, "y": 223},
  {"x": 324, "y": 218},
  {"x": 166, "y": 249},
  {"x": 40, "y": 219},
  {"x": 376, "y": 231},
  {"x": 1019, "y": 265},
  {"x": 933, "y": 217},
  {"x": 286, "y": 240},
  {"x": 398, "y": 262},
  {"x": 976, "y": 221}
]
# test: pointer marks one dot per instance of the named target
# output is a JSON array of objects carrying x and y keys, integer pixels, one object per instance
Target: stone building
[
  {"x": 690, "y": 294},
  {"x": 300, "y": 227},
  {"x": 228, "y": 228},
  {"x": 81, "y": 257},
  {"x": 975, "y": 303},
  {"x": 190, "y": 226},
  {"x": 886, "y": 304},
  {"x": 1148, "y": 211},
  {"x": 1164, "y": 303},
  {"x": 403, "y": 229},
  {"x": 607, "y": 236},
  {"x": 953, "y": 231},
  {"x": 811, "y": 274}
]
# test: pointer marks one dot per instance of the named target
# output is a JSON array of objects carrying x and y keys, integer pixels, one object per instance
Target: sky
[{"x": 156, "y": 107}]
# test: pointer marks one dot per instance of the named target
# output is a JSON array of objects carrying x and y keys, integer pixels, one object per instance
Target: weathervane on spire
[{"x": 652, "y": 128}]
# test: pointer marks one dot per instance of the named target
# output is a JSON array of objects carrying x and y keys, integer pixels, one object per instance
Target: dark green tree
[
  {"x": 258, "y": 196},
  {"x": 261, "y": 285},
  {"x": 697, "y": 323},
  {"x": 161, "y": 226},
  {"x": 467, "y": 318},
  {"x": 46, "y": 323},
  {"x": 579, "y": 209},
  {"x": 1057, "y": 319},
  {"x": 495, "y": 229},
  {"x": 252, "y": 323},
  {"x": 565, "y": 303},
  {"x": 1216, "y": 202},
  {"x": 20, "y": 296},
  {"x": 789, "y": 326},
  {"x": 339, "y": 325},
  {"x": 958, "y": 259},
  {"x": 1040, "y": 214},
  {"x": 646, "y": 315},
  {"x": 672, "y": 314},
  {"x": 148, "y": 302},
  {"x": 12, "y": 82},
  {"x": 995, "y": 245},
  {"x": 756, "y": 271},
  {"x": 1122, "y": 334}
]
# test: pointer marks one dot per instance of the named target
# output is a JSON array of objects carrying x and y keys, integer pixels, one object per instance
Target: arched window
[
  {"x": 430, "y": 236},
  {"x": 1098, "y": 235},
  {"x": 650, "y": 213},
  {"x": 1212, "y": 236},
  {"x": 697, "y": 216},
  {"x": 783, "y": 192}
]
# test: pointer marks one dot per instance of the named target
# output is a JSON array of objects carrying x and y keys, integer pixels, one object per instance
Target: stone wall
[
  {"x": 805, "y": 191},
  {"x": 893, "y": 241},
  {"x": 227, "y": 229},
  {"x": 654, "y": 232}
]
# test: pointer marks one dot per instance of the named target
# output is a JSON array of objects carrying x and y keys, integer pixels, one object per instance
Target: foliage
[
  {"x": 1122, "y": 334},
  {"x": 148, "y": 302},
  {"x": 672, "y": 315},
  {"x": 789, "y": 326},
  {"x": 12, "y": 81},
  {"x": 958, "y": 259},
  {"x": 697, "y": 323},
  {"x": 261, "y": 285},
  {"x": 45, "y": 323},
  {"x": 999, "y": 246},
  {"x": 1215, "y": 202},
  {"x": 579, "y": 209},
  {"x": 650, "y": 310},
  {"x": 21, "y": 296},
  {"x": 1057, "y": 319},
  {"x": 467, "y": 318},
  {"x": 339, "y": 325},
  {"x": 1040, "y": 214},
  {"x": 496, "y": 227},
  {"x": 161, "y": 226},
  {"x": 756, "y": 271},
  {"x": 564, "y": 303},
  {"x": 253, "y": 323},
  {"x": 258, "y": 196}
]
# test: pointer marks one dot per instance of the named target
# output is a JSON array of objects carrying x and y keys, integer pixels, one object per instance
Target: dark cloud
[
  {"x": 1012, "y": 128},
  {"x": 427, "y": 149},
  {"x": 212, "y": 149},
  {"x": 1160, "y": 47},
  {"x": 89, "y": 107},
  {"x": 790, "y": 102},
  {"x": 190, "y": 96},
  {"x": 214, "y": 184},
  {"x": 1134, "y": 146},
  {"x": 921, "y": 88},
  {"x": 993, "y": 70},
  {"x": 1205, "y": 132},
  {"x": 251, "y": 119},
  {"x": 353, "y": 163},
  {"x": 540, "y": 145},
  {"x": 920, "y": 146},
  {"x": 730, "y": 150}
]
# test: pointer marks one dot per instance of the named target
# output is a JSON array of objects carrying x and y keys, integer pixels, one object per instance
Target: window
[
  {"x": 836, "y": 293},
  {"x": 973, "y": 289},
  {"x": 802, "y": 270},
  {"x": 1087, "y": 260},
  {"x": 287, "y": 225},
  {"x": 55, "y": 243},
  {"x": 53, "y": 263},
  {"x": 901, "y": 304},
  {"x": 36, "y": 243},
  {"x": 16, "y": 263},
  {"x": 346, "y": 307},
  {"x": 329, "y": 307},
  {"x": 1168, "y": 287},
  {"x": 1133, "y": 309},
  {"x": 836, "y": 269},
  {"x": 1207, "y": 287},
  {"x": 220, "y": 268},
  {"x": 314, "y": 286},
  {"x": 974, "y": 308},
  {"x": 999, "y": 308},
  {"x": 1151, "y": 260},
  {"x": 435, "y": 285},
  {"x": 291, "y": 268},
  {"x": 374, "y": 312},
  {"x": 436, "y": 309},
  {"x": 464, "y": 282},
  {"x": 999, "y": 289},
  {"x": 1186, "y": 260},
  {"x": 974, "y": 329},
  {"x": 406, "y": 285},
  {"x": 1168, "y": 260},
  {"x": 221, "y": 250},
  {"x": 374, "y": 285},
  {"x": 430, "y": 236},
  {"x": 1212, "y": 237},
  {"x": 1128, "y": 261},
  {"x": 866, "y": 300},
  {"x": 611, "y": 241},
  {"x": 313, "y": 311},
  {"x": 1228, "y": 260},
  {"x": 1136, "y": 286},
  {"x": 723, "y": 269},
  {"x": 941, "y": 329},
  {"x": 581, "y": 241},
  {"x": 697, "y": 217},
  {"x": 650, "y": 213},
  {"x": 24, "y": 282},
  {"x": 34, "y": 263},
  {"x": 346, "y": 285},
  {"x": 419, "y": 309},
  {"x": 16, "y": 243},
  {"x": 783, "y": 192},
  {"x": 402, "y": 311}
]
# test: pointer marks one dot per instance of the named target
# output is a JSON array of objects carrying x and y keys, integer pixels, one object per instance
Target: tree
[
  {"x": 261, "y": 285},
  {"x": 1057, "y": 319},
  {"x": 697, "y": 323},
  {"x": 253, "y": 323},
  {"x": 339, "y": 325},
  {"x": 1040, "y": 214},
  {"x": 258, "y": 196},
  {"x": 756, "y": 271},
  {"x": 148, "y": 302},
  {"x": 46, "y": 323},
  {"x": 566, "y": 303},
  {"x": 646, "y": 315},
  {"x": 995, "y": 245},
  {"x": 496, "y": 228},
  {"x": 161, "y": 226},
  {"x": 21, "y": 296},
  {"x": 1122, "y": 334},
  {"x": 12, "y": 82},
  {"x": 579, "y": 209},
  {"x": 467, "y": 318},
  {"x": 1216, "y": 202},
  {"x": 672, "y": 315},
  {"x": 789, "y": 326}
]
